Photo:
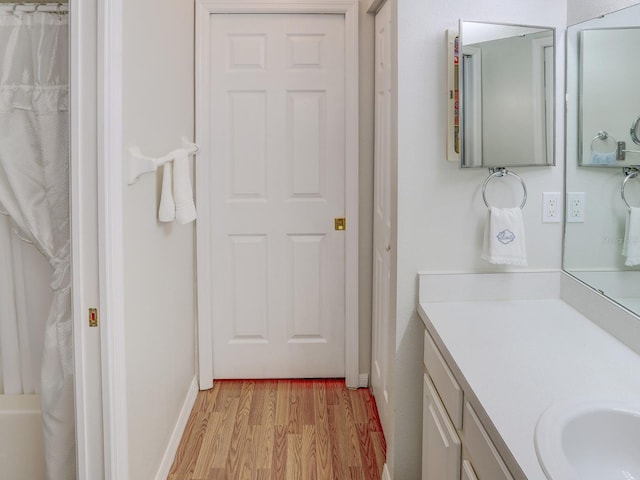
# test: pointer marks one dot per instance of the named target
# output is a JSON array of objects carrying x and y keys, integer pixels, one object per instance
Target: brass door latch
[{"x": 93, "y": 317}]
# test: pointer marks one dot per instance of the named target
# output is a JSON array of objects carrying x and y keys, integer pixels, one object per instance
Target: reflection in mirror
[
  {"x": 507, "y": 95},
  {"x": 635, "y": 131},
  {"x": 609, "y": 95},
  {"x": 603, "y": 101}
]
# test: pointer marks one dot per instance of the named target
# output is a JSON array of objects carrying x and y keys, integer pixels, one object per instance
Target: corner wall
[
  {"x": 440, "y": 212},
  {"x": 158, "y": 83}
]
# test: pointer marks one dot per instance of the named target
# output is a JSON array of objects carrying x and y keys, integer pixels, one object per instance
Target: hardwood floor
[{"x": 281, "y": 430}]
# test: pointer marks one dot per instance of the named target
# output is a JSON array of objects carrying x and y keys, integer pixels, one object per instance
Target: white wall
[
  {"x": 508, "y": 103},
  {"x": 609, "y": 102},
  {"x": 581, "y": 10},
  {"x": 439, "y": 207},
  {"x": 158, "y": 83}
]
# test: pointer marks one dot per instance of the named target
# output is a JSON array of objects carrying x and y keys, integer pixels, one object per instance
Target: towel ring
[
  {"x": 501, "y": 173},
  {"x": 603, "y": 136},
  {"x": 630, "y": 175}
]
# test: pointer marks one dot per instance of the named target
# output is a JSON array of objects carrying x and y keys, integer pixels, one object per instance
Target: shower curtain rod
[
  {"x": 35, "y": 2},
  {"x": 61, "y": 7}
]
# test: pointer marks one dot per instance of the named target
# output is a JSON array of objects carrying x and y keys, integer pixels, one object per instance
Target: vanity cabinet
[
  {"x": 441, "y": 447},
  {"x": 467, "y": 471},
  {"x": 455, "y": 445}
]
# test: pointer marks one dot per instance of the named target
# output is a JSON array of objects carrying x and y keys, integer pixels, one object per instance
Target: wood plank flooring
[{"x": 281, "y": 430}]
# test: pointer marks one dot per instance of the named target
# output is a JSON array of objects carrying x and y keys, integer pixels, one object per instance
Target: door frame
[
  {"x": 204, "y": 9},
  {"x": 111, "y": 238},
  {"x": 84, "y": 291},
  {"x": 96, "y": 191}
]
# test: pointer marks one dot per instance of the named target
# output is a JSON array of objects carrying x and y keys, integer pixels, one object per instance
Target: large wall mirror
[
  {"x": 506, "y": 95},
  {"x": 603, "y": 102}
]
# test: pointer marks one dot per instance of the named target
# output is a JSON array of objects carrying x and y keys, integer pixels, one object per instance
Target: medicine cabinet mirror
[
  {"x": 506, "y": 95},
  {"x": 603, "y": 103}
]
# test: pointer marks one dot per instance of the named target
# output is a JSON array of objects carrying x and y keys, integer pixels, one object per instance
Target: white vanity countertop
[{"x": 520, "y": 356}]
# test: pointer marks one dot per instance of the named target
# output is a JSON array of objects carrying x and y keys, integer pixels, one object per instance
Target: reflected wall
[{"x": 593, "y": 247}]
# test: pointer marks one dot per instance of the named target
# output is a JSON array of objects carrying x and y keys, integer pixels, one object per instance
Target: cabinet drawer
[
  {"x": 485, "y": 458},
  {"x": 444, "y": 381},
  {"x": 441, "y": 449},
  {"x": 467, "y": 471}
]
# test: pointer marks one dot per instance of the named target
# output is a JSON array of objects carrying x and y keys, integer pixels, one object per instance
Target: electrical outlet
[
  {"x": 575, "y": 207},
  {"x": 551, "y": 207}
]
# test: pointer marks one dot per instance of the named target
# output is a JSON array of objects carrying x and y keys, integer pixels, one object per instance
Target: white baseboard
[
  {"x": 385, "y": 473},
  {"x": 363, "y": 380},
  {"x": 178, "y": 431}
]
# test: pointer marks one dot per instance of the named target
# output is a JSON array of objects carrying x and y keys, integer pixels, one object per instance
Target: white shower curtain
[
  {"x": 25, "y": 298},
  {"x": 34, "y": 194}
]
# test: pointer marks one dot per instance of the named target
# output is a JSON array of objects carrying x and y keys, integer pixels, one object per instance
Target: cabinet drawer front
[
  {"x": 467, "y": 471},
  {"x": 485, "y": 458},
  {"x": 441, "y": 450},
  {"x": 444, "y": 381}
]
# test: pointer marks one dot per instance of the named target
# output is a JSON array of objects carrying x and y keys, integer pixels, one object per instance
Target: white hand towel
[
  {"x": 598, "y": 158},
  {"x": 185, "y": 209},
  {"x": 631, "y": 245},
  {"x": 504, "y": 237},
  {"x": 167, "y": 210}
]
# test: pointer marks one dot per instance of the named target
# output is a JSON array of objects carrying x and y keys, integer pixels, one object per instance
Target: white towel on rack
[
  {"x": 183, "y": 193},
  {"x": 504, "y": 242},
  {"x": 598, "y": 158},
  {"x": 167, "y": 210},
  {"x": 631, "y": 245}
]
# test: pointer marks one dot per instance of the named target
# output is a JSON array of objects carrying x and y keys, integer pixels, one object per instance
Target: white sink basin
[{"x": 590, "y": 440}]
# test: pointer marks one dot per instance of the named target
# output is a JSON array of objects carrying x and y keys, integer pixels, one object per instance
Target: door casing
[{"x": 96, "y": 190}]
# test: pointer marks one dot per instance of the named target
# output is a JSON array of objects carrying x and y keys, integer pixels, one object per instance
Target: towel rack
[
  {"x": 629, "y": 173},
  {"x": 603, "y": 136},
  {"x": 501, "y": 172},
  {"x": 140, "y": 164}
]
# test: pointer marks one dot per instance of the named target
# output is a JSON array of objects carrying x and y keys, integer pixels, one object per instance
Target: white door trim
[
  {"x": 375, "y": 6},
  {"x": 96, "y": 230},
  {"x": 82, "y": 78},
  {"x": 111, "y": 238},
  {"x": 348, "y": 8}
]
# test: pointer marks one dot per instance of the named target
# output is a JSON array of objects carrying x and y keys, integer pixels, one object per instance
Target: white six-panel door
[
  {"x": 277, "y": 181},
  {"x": 383, "y": 340}
]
